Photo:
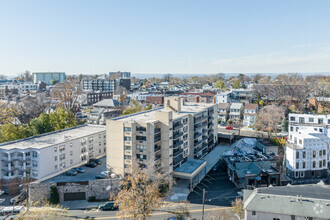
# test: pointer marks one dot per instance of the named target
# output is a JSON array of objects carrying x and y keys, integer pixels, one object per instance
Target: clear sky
[{"x": 164, "y": 36}]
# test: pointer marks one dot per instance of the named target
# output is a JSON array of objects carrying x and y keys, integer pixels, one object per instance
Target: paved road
[
  {"x": 195, "y": 212},
  {"x": 218, "y": 189}
]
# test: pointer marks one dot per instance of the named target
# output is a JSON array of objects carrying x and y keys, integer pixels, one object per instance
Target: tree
[
  {"x": 8, "y": 114},
  {"x": 140, "y": 193},
  {"x": 285, "y": 125},
  {"x": 54, "y": 197},
  {"x": 11, "y": 132},
  {"x": 238, "y": 205},
  {"x": 149, "y": 107},
  {"x": 220, "y": 84},
  {"x": 167, "y": 77},
  {"x": 133, "y": 107},
  {"x": 29, "y": 108},
  {"x": 67, "y": 94},
  {"x": 221, "y": 214},
  {"x": 54, "y": 82},
  {"x": 44, "y": 211},
  {"x": 237, "y": 84},
  {"x": 269, "y": 118}
]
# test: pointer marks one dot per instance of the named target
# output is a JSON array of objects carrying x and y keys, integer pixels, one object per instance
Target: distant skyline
[{"x": 147, "y": 36}]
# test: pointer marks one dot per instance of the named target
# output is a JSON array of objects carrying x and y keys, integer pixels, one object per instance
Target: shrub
[{"x": 54, "y": 197}]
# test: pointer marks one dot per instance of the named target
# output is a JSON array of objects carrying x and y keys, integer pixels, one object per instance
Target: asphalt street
[{"x": 194, "y": 213}]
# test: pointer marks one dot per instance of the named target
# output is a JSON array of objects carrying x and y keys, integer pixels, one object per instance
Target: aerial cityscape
[{"x": 170, "y": 110}]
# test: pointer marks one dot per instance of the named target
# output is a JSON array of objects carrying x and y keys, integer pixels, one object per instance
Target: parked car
[
  {"x": 176, "y": 218},
  {"x": 108, "y": 206},
  {"x": 91, "y": 164},
  {"x": 229, "y": 128},
  {"x": 71, "y": 173},
  {"x": 101, "y": 176},
  {"x": 95, "y": 160},
  {"x": 79, "y": 170}
]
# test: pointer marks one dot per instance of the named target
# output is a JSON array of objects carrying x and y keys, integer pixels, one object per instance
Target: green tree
[
  {"x": 220, "y": 84},
  {"x": 237, "y": 84},
  {"x": 11, "y": 132},
  {"x": 261, "y": 103},
  {"x": 54, "y": 197},
  {"x": 53, "y": 81},
  {"x": 285, "y": 125},
  {"x": 41, "y": 125},
  {"x": 133, "y": 107},
  {"x": 149, "y": 107}
]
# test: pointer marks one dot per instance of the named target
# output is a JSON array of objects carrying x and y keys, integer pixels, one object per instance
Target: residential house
[
  {"x": 223, "y": 97},
  {"x": 250, "y": 113},
  {"x": 236, "y": 110},
  {"x": 223, "y": 111},
  {"x": 299, "y": 202}
]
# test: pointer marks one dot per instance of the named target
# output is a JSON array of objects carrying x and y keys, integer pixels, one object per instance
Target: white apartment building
[
  {"x": 46, "y": 77},
  {"x": 307, "y": 155},
  {"x": 163, "y": 139},
  {"x": 235, "y": 111},
  {"x": 20, "y": 86},
  {"x": 223, "y": 97},
  {"x": 43, "y": 155},
  {"x": 319, "y": 123}
]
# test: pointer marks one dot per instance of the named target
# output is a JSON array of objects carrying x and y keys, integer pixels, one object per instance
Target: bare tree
[
  {"x": 221, "y": 214},
  {"x": 68, "y": 94},
  {"x": 269, "y": 118},
  {"x": 30, "y": 108},
  {"x": 238, "y": 205},
  {"x": 140, "y": 193}
]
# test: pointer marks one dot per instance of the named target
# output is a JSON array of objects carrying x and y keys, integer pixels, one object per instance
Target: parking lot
[
  {"x": 218, "y": 189},
  {"x": 88, "y": 175}
]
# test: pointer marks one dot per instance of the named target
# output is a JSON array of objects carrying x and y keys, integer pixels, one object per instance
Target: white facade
[
  {"x": 20, "y": 86},
  {"x": 319, "y": 123},
  {"x": 307, "y": 150},
  {"x": 44, "y": 155},
  {"x": 223, "y": 97}
]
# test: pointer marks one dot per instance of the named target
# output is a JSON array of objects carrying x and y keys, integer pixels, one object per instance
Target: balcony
[
  {"x": 5, "y": 168},
  {"x": 177, "y": 134},
  {"x": 157, "y": 130},
  {"x": 157, "y": 157},
  {"x": 157, "y": 139},
  {"x": 177, "y": 144},
  {"x": 198, "y": 119},
  {"x": 197, "y": 134},
  {"x": 5, "y": 159},
  {"x": 177, "y": 152},
  {"x": 157, "y": 148},
  {"x": 177, "y": 126}
]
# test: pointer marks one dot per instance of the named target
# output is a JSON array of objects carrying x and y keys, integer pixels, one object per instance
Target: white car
[{"x": 106, "y": 173}]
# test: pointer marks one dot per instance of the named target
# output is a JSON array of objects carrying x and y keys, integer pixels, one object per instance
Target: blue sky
[{"x": 172, "y": 36}]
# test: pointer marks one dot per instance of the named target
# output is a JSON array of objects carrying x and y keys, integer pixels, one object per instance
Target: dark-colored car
[
  {"x": 101, "y": 176},
  {"x": 91, "y": 164},
  {"x": 95, "y": 160},
  {"x": 71, "y": 173},
  {"x": 79, "y": 170},
  {"x": 108, "y": 206},
  {"x": 176, "y": 218}
]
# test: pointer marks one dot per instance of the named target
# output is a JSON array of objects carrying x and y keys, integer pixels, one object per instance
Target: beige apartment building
[{"x": 163, "y": 139}]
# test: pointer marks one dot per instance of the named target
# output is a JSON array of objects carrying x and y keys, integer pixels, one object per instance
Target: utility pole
[{"x": 203, "y": 203}]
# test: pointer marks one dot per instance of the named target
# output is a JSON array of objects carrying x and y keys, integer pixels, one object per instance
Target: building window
[
  {"x": 254, "y": 213},
  {"x": 314, "y": 153},
  {"x": 304, "y": 165},
  {"x": 320, "y": 153},
  {"x": 127, "y": 157},
  {"x": 71, "y": 161},
  {"x": 71, "y": 144},
  {"x": 296, "y": 174},
  {"x": 292, "y": 118},
  {"x": 324, "y": 152},
  {"x": 127, "y": 138},
  {"x": 34, "y": 164},
  {"x": 62, "y": 148},
  {"x": 291, "y": 128},
  {"x": 314, "y": 164},
  {"x": 34, "y": 154},
  {"x": 320, "y": 163},
  {"x": 55, "y": 149},
  {"x": 310, "y": 119},
  {"x": 56, "y": 167},
  {"x": 297, "y": 165},
  {"x": 127, "y": 147},
  {"x": 141, "y": 138},
  {"x": 297, "y": 155},
  {"x": 127, "y": 129},
  {"x": 324, "y": 163},
  {"x": 55, "y": 158}
]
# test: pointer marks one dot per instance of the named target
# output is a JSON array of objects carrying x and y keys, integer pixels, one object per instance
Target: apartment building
[
  {"x": 99, "y": 85},
  {"x": 43, "y": 155},
  {"x": 223, "y": 97},
  {"x": 319, "y": 123},
  {"x": 307, "y": 156},
  {"x": 163, "y": 139}
]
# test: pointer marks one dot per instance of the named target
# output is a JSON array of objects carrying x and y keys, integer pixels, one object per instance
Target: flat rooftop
[
  {"x": 51, "y": 138},
  {"x": 190, "y": 166},
  {"x": 150, "y": 116}
]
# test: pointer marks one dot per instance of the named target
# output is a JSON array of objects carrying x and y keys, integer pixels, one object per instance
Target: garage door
[{"x": 74, "y": 196}]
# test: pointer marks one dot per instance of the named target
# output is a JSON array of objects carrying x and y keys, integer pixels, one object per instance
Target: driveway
[{"x": 218, "y": 189}]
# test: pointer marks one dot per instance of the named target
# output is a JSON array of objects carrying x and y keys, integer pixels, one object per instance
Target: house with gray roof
[
  {"x": 236, "y": 111},
  {"x": 299, "y": 202}
]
